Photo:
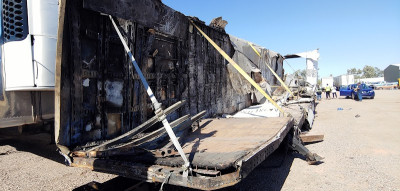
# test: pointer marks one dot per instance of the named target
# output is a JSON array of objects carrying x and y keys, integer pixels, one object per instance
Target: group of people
[{"x": 328, "y": 91}]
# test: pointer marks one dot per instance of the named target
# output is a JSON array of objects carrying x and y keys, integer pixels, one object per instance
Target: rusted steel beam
[
  {"x": 167, "y": 150},
  {"x": 107, "y": 153},
  {"x": 141, "y": 127},
  {"x": 155, "y": 134},
  {"x": 157, "y": 173}
]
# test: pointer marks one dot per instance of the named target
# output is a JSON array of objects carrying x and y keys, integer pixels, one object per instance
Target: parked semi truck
[{"x": 145, "y": 92}]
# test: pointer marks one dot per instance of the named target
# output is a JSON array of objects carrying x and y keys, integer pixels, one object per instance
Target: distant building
[
  {"x": 343, "y": 80},
  {"x": 392, "y": 73}
]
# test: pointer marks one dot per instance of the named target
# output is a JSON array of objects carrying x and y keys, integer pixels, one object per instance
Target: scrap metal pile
[{"x": 146, "y": 92}]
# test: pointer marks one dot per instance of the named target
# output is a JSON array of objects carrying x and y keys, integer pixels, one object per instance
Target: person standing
[
  {"x": 319, "y": 93},
  {"x": 334, "y": 92},
  {"x": 328, "y": 91},
  {"x": 359, "y": 91}
]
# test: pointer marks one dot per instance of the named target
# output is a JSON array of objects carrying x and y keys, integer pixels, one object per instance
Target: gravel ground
[
  {"x": 31, "y": 163},
  {"x": 361, "y": 153}
]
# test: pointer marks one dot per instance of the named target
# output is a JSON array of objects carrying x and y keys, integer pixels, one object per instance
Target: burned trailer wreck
[{"x": 108, "y": 119}]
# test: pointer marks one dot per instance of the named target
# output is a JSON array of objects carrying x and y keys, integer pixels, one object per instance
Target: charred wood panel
[{"x": 107, "y": 97}]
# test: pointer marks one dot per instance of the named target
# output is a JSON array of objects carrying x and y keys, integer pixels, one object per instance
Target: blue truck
[{"x": 350, "y": 91}]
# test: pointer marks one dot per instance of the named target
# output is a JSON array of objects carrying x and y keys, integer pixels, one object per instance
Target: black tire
[{"x": 372, "y": 97}]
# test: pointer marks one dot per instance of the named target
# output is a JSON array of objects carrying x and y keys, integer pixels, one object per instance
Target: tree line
[{"x": 366, "y": 72}]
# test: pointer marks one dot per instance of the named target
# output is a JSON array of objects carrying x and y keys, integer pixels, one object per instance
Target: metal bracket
[
  {"x": 160, "y": 114},
  {"x": 312, "y": 158}
]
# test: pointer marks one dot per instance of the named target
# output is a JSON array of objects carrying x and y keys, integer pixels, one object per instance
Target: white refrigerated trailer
[
  {"x": 28, "y": 51},
  {"x": 343, "y": 80},
  {"x": 327, "y": 81}
]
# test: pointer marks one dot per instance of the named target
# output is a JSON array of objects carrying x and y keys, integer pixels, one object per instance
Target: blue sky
[{"x": 348, "y": 33}]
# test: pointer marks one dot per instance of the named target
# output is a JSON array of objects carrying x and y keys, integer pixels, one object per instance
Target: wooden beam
[{"x": 311, "y": 138}]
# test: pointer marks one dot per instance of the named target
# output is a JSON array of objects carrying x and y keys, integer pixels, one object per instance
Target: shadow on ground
[
  {"x": 118, "y": 183},
  {"x": 38, "y": 144}
]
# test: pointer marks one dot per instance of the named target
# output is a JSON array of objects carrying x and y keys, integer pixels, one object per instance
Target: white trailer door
[{"x": 43, "y": 23}]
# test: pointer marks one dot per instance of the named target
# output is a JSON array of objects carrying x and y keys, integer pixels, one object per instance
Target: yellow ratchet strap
[
  {"x": 237, "y": 67},
  {"x": 276, "y": 75}
]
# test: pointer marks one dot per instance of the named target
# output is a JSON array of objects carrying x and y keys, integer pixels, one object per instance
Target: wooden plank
[
  {"x": 229, "y": 135},
  {"x": 60, "y": 131},
  {"x": 311, "y": 138},
  {"x": 219, "y": 143}
]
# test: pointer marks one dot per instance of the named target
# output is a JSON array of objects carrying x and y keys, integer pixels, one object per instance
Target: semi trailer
[{"x": 145, "y": 92}]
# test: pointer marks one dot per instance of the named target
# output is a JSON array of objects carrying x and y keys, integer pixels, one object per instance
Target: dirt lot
[{"x": 361, "y": 153}]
